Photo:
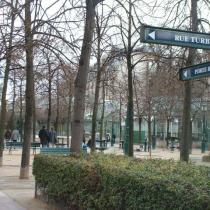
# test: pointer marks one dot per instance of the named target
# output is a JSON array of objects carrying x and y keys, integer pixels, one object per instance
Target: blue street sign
[
  {"x": 167, "y": 36},
  {"x": 194, "y": 72}
]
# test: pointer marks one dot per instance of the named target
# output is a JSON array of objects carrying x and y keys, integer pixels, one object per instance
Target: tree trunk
[
  {"x": 190, "y": 142},
  {"x": 21, "y": 113},
  {"x": 96, "y": 99},
  {"x": 168, "y": 134},
  {"x": 120, "y": 116},
  {"x": 57, "y": 106},
  {"x": 138, "y": 110},
  {"x": 12, "y": 118},
  {"x": 149, "y": 133},
  {"x": 168, "y": 131},
  {"x": 29, "y": 94},
  {"x": 103, "y": 112},
  {"x": 34, "y": 118},
  {"x": 130, "y": 89},
  {"x": 154, "y": 133},
  {"x": 69, "y": 119},
  {"x": 49, "y": 94},
  {"x": 4, "y": 90},
  {"x": 140, "y": 121},
  {"x": 81, "y": 79},
  {"x": 184, "y": 144},
  {"x": 186, "y": 135},
  {"x": 49, "y": 106}
]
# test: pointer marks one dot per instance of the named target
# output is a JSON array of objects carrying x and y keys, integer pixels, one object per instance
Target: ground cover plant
[{"x": 109, "y": 182}]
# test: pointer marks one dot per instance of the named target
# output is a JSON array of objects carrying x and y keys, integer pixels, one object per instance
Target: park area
[
  {"x": 106, "y": 180},
  {"x": 104, "y": 105}
]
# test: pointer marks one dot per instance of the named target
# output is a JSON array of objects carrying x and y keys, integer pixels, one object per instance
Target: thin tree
[
  {"x": 9, "y": 49},
  {"x": 101, "y": 31},
  {"x": 29, "y": 93},
  {"x": 186, "y": 116},
  {"x": 81, "y": 78}
]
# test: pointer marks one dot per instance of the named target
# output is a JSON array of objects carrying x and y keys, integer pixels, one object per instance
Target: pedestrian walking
[
  {"x": 44, "y": 137},
  {"x": 108, "y": 137},
  {"x": 145, "y": 144},
  {"x": 8, "y": 135},
  {"x": 15, "y": 135}
]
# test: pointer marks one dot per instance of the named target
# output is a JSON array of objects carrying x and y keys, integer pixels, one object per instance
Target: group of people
[
  {"x": 108, "y": 139},
  {"x": 12, "y": 135},
  {"x": 46, "y": 137}
]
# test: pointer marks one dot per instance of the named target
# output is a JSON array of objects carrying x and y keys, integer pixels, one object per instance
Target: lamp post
[
  {"x": 204, "y": 137},
  {"x": 168, "y": 137},
  {"x": 112, "y": 139},
  {"x": 154, "y": 132}
]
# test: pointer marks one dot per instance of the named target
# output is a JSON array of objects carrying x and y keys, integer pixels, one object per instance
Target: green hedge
[
  {"x": 206, "y": 158},
  {"x": 109, "y": 182}
]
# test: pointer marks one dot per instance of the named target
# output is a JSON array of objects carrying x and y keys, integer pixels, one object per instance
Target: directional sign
[
  {"x": 156, "y": 35},
  {"x": 194, "y": 72}
]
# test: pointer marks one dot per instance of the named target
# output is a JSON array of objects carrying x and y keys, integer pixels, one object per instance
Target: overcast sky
[{"x": 162, "y": 14}]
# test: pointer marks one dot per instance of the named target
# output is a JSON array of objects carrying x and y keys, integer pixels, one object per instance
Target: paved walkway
[
  {"x": 7, "y": 203},
  {"x": 16, "y": 194}
]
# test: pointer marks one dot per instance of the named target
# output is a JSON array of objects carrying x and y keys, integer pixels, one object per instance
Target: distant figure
[
  {"x": 15, "y": 135},
  {"x": 84, "y": 145},
  {"x": 97, "y": 136},
  {"x": 8, "y": 135},
  {"x": 44, "y": 137},
  {"x": 89, "y": 143},
  {"x": 113, "y": 138},
  {"x": 145, "y": 144},
  {"x": 107, "y": 137},
  {"x": 52, "y": 136},
  {"x": 83, "y": 139}
]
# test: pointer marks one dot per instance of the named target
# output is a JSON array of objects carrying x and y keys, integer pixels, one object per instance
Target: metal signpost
[
  {"x": 167, "y": 36},
  {"x": 194, "y": 72}
]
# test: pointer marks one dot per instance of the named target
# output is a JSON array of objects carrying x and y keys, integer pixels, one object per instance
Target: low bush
[
  {"x": 206, "y": 158},
  {"x": 109, "y": 182}
]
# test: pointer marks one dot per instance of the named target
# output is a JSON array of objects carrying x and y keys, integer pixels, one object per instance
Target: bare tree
[
  {"x": 8, "y": 43},
  {"x": 186, "y": 117},
  {"x": 29, "y": 94},
  {"x": 130, "y": 38},
  {"x": 81, "y": 78},
  {"x": 101, "y": 48}
]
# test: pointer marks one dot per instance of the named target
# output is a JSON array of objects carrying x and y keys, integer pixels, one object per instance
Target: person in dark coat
[
  {"x": 8, "y": 135},
  {"x": 44, "y": 137}
]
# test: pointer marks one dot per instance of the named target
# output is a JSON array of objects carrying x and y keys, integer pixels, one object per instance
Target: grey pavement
[
  {"x": 16, "y": 194},
  {"x": 7, "y": 203}
]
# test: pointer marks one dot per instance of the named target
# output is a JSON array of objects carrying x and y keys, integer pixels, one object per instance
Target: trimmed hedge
[
  {"x": 109, "y": 182},
  {"x": 206, "y": 158}
]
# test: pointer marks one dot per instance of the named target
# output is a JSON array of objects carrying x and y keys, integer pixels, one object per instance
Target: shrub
[
  {"x": 206, "y": 158},
  {"x": 109, "y": 182}
]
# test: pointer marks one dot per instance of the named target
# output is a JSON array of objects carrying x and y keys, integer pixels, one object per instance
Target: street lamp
[
  {"x": 112, "y": 139},
  {"x": 168, "y": 137},
  {"x": 154, "y": 132},
  {"x": 204, "y": 131}
]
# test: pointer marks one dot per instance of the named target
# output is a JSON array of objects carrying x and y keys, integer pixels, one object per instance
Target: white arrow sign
[
  {"x": 194, "y": 72},
  {"x": 185, "y": 73},
  {"x": 152, "y": 35}
]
